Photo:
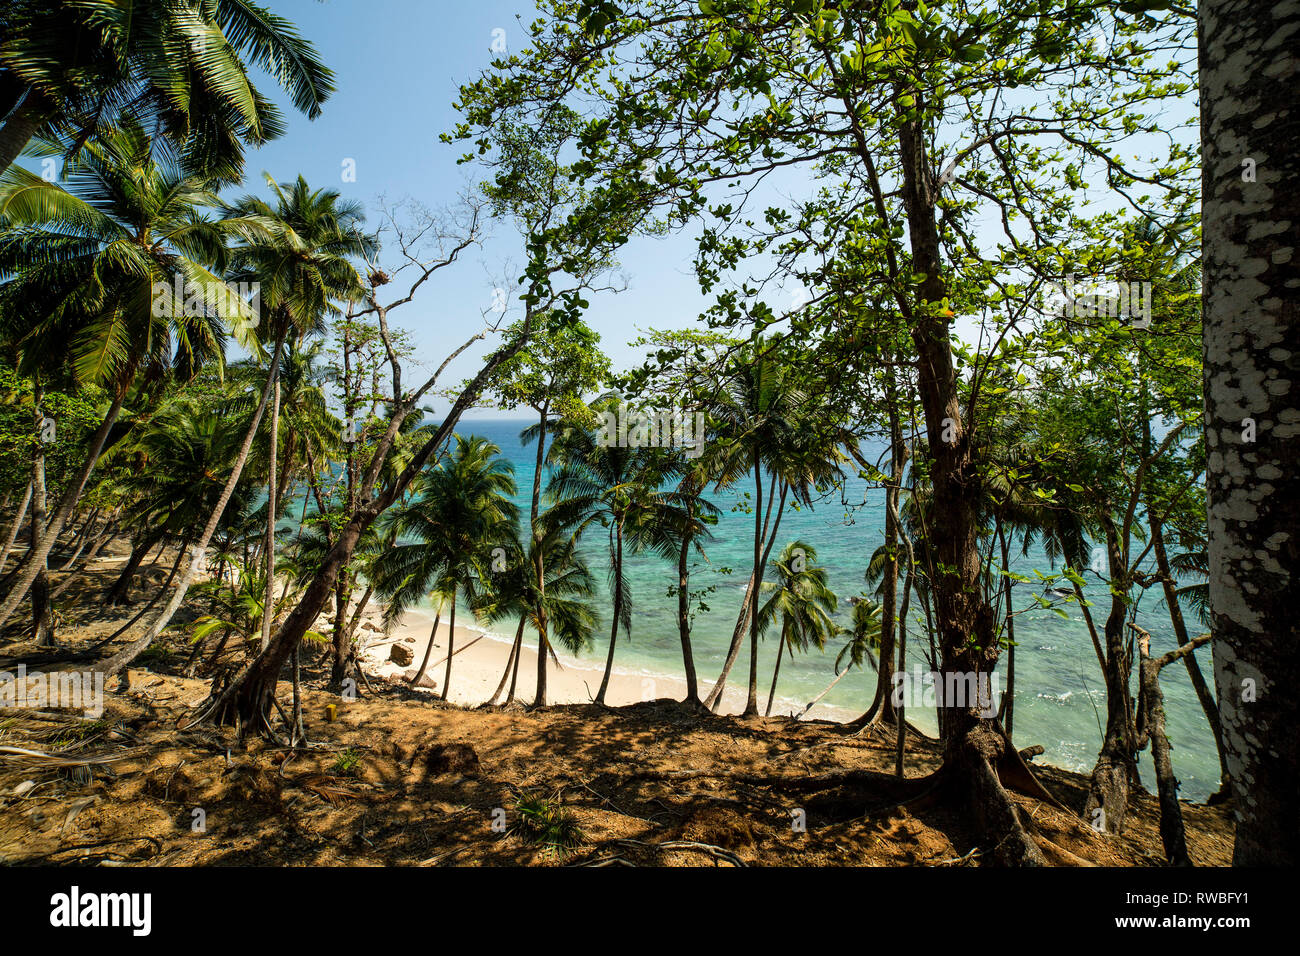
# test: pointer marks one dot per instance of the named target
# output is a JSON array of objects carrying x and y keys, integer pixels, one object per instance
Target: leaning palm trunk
[
  {"x": 42, "y": 617},
  {"x": 738, "y": 635},
  {"x": 271, "y": 501},
  {"x": 106, "y": 534},
  {"x": 684, "y": 620},
  {"x": 451, "y": 646},
  {"x": 618, "y": 613},
  {"x": 17, "y": 525},
  {"x": 510, "y": 664},
  {"x": 197, "y": 550},
  {"x": 248, "y": 700},
  {"x": 17, "y": 129},
  {"x": 428, "y": 648},
  {"x": 776, "y": 672},
  {"x": 34, "y": 562}
]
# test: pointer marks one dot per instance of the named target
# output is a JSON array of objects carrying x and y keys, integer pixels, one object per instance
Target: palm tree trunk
[
  {"x": 542, "y": 649},
  {"x": 428, "y": 648},
  {"x": 539, "y": 569},
  {"x": 106, "y": 534},
  {"x": 514, "y": 677},
  {"x": 684, "y": 620},
  {"x": 776, "y": 672},
  {"x": 510, "y": 661},
  {"x": 17, "y": 525},
  {"x": 618, "y": 611},
  {"x": 901, "y": 708},
  {"x": 197, "y": 550},
  {"x": 1007, "y": 715},
  {"x": 738, "y": 634},
  {"x": 42, "y": 629},
  {"x": 451, "y": 646},
  {"x": 79, "y": 542},
  {"x": 271, "y": 501},
  {"x": 21, "y": 125},
  {"x": 751, "y": 700},
  {"x": 120, "y": 589},
  {"x": 35, "y": 559}
]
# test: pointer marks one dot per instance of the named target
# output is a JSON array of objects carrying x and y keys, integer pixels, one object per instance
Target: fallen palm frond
[{"x": 40, "y": 758}]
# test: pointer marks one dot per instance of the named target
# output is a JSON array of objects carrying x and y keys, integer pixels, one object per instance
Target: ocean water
[{"x": 1060, "y": 693}]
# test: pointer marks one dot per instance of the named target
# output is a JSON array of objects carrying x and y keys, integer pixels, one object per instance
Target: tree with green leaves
[
  {"x": 906, "y": 110},
  {"x": 802, "y": 607},
  {"x": 459, "y": 518},
  {"x": 114, "y": 268},
  {"x": 616, "y": 487},
  {"x": 71, "y": 70}
]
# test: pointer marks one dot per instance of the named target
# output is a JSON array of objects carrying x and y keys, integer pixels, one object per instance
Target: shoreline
[{"x": 477, "y": 668}]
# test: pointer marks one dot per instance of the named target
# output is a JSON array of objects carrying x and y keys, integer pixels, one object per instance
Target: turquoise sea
[{"x": 1060, "y": 696}]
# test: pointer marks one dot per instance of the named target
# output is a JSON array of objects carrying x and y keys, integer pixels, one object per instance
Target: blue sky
[{"x": 398, "y": 66}]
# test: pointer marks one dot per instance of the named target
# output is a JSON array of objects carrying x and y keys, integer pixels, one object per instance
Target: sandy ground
[
  {"x": 481, "y": 657},
  {"x": 399, "y": 778}
]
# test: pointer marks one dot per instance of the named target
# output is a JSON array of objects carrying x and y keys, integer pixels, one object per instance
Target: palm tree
[
  {"x": 92, "y": 266},
  {"x": 302, "y": 268},
  {"x": 801, "y": 603},
  {"x": 687, "y": 518},
  {"x": 559, "y": 607},
  {"x": 617, "y": 488},
  {"x": 767, "y": 422},
  {"x": 460, "y": 511},
  {"x": 297, "y": 251},
  {"x": 181, "y": 66}
]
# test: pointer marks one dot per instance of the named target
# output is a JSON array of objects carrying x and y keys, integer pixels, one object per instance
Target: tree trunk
[
  {"x": 776, "y": 671},
  {"x": 519, "y": 654},
  {"x": 510, "y": 661},
  {"x": 684, "y": 619},
  {"x": 539, "y": 569},
  {"x": 121, "y": 588},
  {"x": 428, "y": 648},
  {"x": 900, "y": 709},
  {"x": 1116, "y": 770},
  {"x": 106, "y": 534},
  {"x": 967, "y": 639},
  {"x": 198, "y": 550},
  {"x": 268, "y": 616},
  {"x": 1249, "y": 72},
  {"x": 742, "y": 622},
  {"x": 80, "y": 541},
  {"x": 246, "y": 702},
  {"x": 618, "y": 611},
  {"x": 35, "y": 559},
  {"x": 451, "y": 647},
  {"x": 1151, "y": 727},
  {"x": 1208, "y": 704},
  {"x": 751, "y": 699},
  {"x": 21, "y": 125},
  {"x": 1007, "y": 710},
  {"x": 42, "y": 612},
  {"x": 17, "y": 525}
]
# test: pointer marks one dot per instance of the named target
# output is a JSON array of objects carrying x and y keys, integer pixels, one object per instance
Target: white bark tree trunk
[{"x": 1250, "y": 132}]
